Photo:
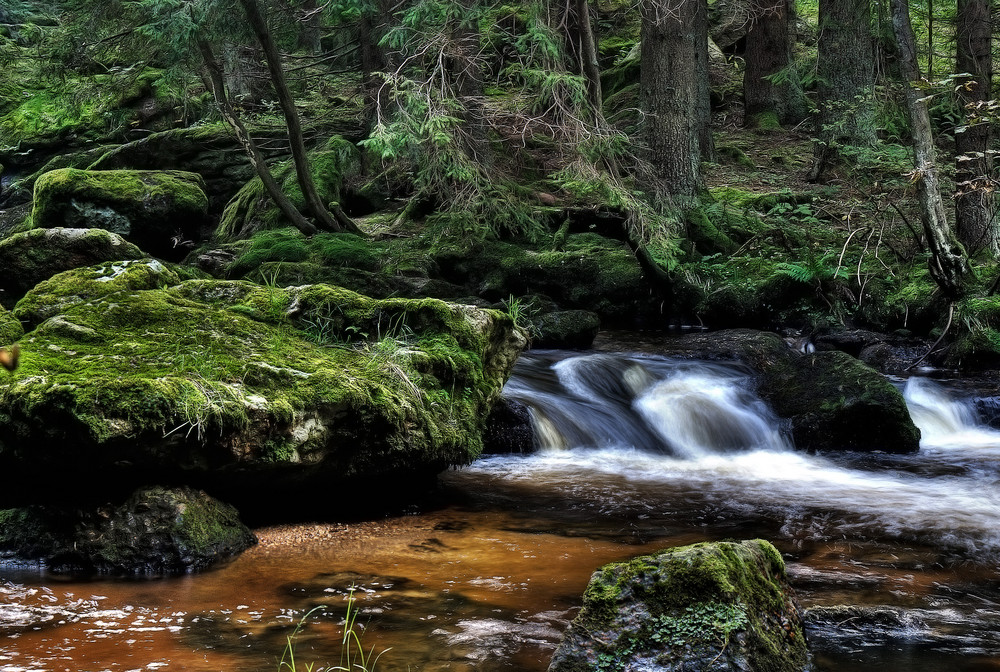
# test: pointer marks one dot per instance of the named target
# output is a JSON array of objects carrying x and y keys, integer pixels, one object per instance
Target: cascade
[{"x": 660, "y": 405}]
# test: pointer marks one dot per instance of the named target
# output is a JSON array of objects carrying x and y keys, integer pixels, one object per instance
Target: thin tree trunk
[
  {"x": 295, "y": 139},
  {"x": 975, "y": 206},
  {"x": 287, "y": 208},
  {"x": 583, "y": 45},
  {"x": 948, "y": 265}
]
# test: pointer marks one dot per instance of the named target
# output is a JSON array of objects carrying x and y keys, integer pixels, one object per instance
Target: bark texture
[
  {"x": 975, "y": 205},
  {"x": 846, "y": 78},
  {"x": 674, "y": 89},
  {"x": 769, "y": 44},
  {"x": 948, "y": 265}
]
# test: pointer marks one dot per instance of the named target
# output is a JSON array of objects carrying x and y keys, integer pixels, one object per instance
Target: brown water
[{"x": 488, "y": 581}]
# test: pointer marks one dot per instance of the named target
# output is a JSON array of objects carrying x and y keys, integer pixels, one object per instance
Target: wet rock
[
  {"x": 710, "y": 606},
  {"x": 33, "y": 256},
  {"x": 159, "y": 211},
  {"x": 156, "y": 531},
  {"x": 236, "y": 387},
  {"x": 832, "y": 400},
  {"x": 851, "y": 625},
  {"x": 565, "y": 329},
  {"x": 509, "y": 430}
]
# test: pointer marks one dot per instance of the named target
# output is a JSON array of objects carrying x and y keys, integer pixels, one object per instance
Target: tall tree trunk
[
  {"x": 217, "y": 81},
  {"x": 845, "y": 78},
  {"x": 975, "y": 206},
  {"x": 295, "y": 140},
  {"x": 674, "y": 94},
  {"x": 948, "y": 264},
  {"x": 311, "y": 35},
  {"x": 769, "y": 44}
]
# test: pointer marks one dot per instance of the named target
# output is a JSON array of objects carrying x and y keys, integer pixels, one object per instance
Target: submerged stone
[
  {"x": 157, "y": 210},
  {"x": 712, "y": 607},
  {"x": 155, "y": 531},
  {"x": 234, "y": 386},
  {"x": 36, "y": 255}
]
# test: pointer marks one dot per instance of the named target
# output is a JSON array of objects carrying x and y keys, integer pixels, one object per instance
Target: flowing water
[{"x": 639, "y": 453}]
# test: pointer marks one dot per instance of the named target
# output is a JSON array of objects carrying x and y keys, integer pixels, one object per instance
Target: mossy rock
[
  {"x": 723, "y": 606},
  {"x": 28, "y": 258},
  {"x": 831, "y": 400},
  {"x": 10, "y": 327},
  {"x": 590, "y": 272},
  {"x": 156, "y": 531},
  {"x": 977, "y": 345},
  {"x": 573, "y": 329},
  {"x": 153, "y": 209},
  {"x": 234, "y": 385},
  {"x": 251, "y": 210},
  {"x": 53, "y": 296}
]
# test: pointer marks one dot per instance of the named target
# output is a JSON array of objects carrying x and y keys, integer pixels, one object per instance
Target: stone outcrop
[
  {"x": 36, "y": 255},
  {"x": 713, "y": 607},
  {"x": 129, "y": 378},
  {"x": 159, "y": 211}
]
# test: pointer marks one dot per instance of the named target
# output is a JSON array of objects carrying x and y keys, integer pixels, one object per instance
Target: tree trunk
[
  {"x": 845, "y": 78},
  {"x": 948, "y": 264},
  {"x": 249, "y": 146},
  {"x": 583, "y": 47},
  {"x": 311, "y": 36},
  {"x": 296, "y": 142},
  {"x": 768, "y": 52},
  {"x": 975, "y": 206},
  {"x": 674, "y": 94}
]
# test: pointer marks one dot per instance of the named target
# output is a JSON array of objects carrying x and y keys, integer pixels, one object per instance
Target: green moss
[
  {"x": 133, "y": 194},
  {"x": 10, "y": 327},
  {"x": 765, "y": 121},
  {"x": 689, "y": 606},
  {"x": 359, "y": 385}
]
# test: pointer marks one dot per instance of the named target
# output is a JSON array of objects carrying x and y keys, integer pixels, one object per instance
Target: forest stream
[{"x": 640, "y": 452}]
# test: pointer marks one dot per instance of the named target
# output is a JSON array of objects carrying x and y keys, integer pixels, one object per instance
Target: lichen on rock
[{"x": 715, "y": 607}]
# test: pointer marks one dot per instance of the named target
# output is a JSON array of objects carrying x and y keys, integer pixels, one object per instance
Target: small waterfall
[
  {"x": 940, "y": 418},
  {"x": 655, "y": 404}
]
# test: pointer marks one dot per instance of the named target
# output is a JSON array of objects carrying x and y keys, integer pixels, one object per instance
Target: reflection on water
[{"x": 644, "y": 452}]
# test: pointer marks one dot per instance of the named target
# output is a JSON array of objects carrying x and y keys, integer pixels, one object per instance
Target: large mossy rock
[
  {"x": 832, "y": 400},
  {"x": 153, "y": 209},
  {"x": 590, "y": 272},
  {"x": 33, "y": 256},
  {"x": 155, "y": 531},
  {"x": 712, "y": 607},
  {"x": 234, "y": 386},
  {"x": 11, "y": 328}
]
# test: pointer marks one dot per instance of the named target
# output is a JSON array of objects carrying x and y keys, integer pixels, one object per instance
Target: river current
[{"x": 638, "y": 453}]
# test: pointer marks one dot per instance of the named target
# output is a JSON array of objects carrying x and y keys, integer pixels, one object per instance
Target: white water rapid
[{"x": 644, "y": 433}]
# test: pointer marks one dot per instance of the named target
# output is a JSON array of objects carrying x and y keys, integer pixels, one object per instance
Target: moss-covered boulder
[
  {"x": 235, "y": 386},
  {"x": 590, "y": 272},
  {"x": 712, "y": 607},
  {"x": 831, "y": 400},
  {"x": 155, "y": 531},
  {"x": 33, "y": 256},
  {"x": 156, "y": 210},
  {"x": 574, "y": 329}
]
